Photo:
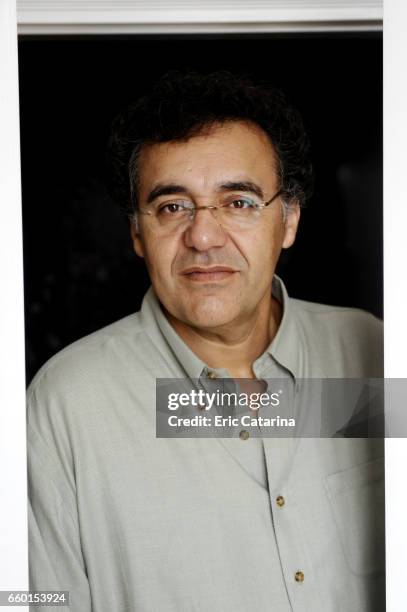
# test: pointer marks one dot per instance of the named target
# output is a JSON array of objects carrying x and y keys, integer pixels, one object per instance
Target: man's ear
[
  {"x": 135, "y": 236},
  {"x": 292, "y": 218}
]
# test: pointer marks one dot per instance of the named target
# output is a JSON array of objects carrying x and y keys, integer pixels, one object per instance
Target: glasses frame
[{"x": 194, "y": 209}]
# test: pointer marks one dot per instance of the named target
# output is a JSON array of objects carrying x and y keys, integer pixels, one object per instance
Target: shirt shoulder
[
  {"x": 103, "y": 364},
  {"x": 87, "y": 352},
  {"x": 348, "y": 340}
]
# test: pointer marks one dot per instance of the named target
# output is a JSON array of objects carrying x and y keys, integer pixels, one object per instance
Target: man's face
[{"x": 233, "y": 269}]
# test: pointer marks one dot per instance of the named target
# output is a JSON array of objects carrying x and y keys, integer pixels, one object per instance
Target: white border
[{"x": 13, "y": 463}]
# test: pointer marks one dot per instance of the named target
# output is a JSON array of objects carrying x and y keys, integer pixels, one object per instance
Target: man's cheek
[{"x": 159, "y": 267}]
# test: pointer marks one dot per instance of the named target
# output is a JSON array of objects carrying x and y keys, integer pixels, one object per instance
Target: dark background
[{"x": 79, "y": 270}]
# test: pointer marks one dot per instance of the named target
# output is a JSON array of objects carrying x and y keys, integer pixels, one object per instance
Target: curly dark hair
[{"x": 182, "y": 105}]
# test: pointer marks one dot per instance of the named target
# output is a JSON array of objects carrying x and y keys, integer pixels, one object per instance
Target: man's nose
[{"x": 204, "y": 231}]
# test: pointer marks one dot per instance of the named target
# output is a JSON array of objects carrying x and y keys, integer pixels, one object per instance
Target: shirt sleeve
[{"x": 56, "y": 561}]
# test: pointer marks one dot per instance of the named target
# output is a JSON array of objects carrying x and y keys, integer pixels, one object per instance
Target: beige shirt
[{"x": 126, "y": 521}]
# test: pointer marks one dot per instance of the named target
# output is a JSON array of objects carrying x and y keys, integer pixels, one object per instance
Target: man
[{"x": 212, "y": 172}]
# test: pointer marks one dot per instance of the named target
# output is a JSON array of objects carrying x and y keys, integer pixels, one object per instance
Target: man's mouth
[{"x": 211, "y": 274}]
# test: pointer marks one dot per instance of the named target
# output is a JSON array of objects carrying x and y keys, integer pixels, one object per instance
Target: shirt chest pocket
[{"x": 356, "y": 497}]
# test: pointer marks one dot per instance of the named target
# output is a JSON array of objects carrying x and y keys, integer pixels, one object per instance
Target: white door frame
[
  {"x": 13, "y": 483},
  {"x": 196, "y": 16}
]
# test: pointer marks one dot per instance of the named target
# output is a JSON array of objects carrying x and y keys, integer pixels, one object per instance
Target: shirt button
[
  {"x": 280, "y": 501},
  {"x": 243, "y": 435},
  {"x": 299, "y": 576},
  {"x": 212, "y": 374}
]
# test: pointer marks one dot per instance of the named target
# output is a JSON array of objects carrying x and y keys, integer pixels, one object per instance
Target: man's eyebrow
[
  {"x": 163, "y": 189},
  {"x": 247, "y": 186}
]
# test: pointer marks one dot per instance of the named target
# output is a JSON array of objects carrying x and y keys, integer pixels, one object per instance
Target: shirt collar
[{"x": 284, "y": 348}]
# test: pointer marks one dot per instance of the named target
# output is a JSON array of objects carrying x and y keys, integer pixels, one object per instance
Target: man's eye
[
  {"x": 242, "y": 203},
  {"x": 170, "y": 208}
]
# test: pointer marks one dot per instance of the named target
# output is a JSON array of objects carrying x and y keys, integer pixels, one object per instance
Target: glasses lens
[
  {"x": 175, "y": 213},
  {"x": 239, "y": 211}
]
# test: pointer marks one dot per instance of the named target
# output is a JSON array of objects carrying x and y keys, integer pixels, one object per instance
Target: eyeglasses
[{"x": 233, "y": 212}]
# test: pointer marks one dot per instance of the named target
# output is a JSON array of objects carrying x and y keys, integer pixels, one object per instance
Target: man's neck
[{"x": 234, "y": 347}]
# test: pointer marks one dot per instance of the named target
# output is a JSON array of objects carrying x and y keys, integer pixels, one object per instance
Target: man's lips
[{"x": 214, "y": 273}]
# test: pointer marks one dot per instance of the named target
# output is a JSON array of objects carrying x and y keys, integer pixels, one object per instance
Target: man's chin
[
  {"x": 210, "y": 314},
  {"x": 204, "y": 311}
]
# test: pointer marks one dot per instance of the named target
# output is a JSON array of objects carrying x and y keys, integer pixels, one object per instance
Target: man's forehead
[{"x": 235, "y": 151}]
